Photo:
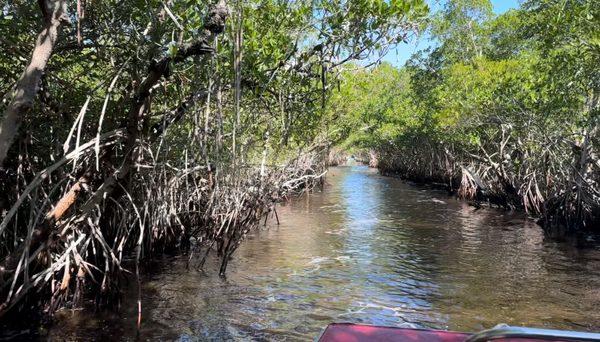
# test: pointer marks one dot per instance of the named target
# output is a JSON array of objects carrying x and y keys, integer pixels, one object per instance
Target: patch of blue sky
[{"x": 401, "y": 53}]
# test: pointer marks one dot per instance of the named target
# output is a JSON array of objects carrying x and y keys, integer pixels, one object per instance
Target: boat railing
[{"x": 506, "y": 332}]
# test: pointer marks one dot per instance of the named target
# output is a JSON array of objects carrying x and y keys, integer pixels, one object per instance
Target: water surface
[{"x": 367, "y": 249}]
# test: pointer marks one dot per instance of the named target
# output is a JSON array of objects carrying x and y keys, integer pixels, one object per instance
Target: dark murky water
[{"x": 368, "y": 249}]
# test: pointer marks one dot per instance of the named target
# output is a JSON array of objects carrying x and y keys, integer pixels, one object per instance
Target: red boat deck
[{"x": 346, "y": 332}]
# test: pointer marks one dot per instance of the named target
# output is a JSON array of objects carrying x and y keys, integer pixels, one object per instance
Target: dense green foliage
[{"x": 503, "y": 108}]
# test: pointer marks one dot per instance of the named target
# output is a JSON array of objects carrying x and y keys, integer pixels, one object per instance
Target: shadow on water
[{"x": 367, "y": 249}]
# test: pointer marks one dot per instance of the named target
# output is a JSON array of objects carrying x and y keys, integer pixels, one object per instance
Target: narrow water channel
[{"x": 366, "y": 249}]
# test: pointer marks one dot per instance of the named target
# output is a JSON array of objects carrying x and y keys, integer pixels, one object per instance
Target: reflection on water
[{"x": 367, "y": 249}]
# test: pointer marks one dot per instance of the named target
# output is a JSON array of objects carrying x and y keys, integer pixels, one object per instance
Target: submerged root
[{"x": 88, "y": 250}]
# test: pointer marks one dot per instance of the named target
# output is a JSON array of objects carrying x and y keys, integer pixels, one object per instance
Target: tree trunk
[{"x": 55, "y": 13}]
